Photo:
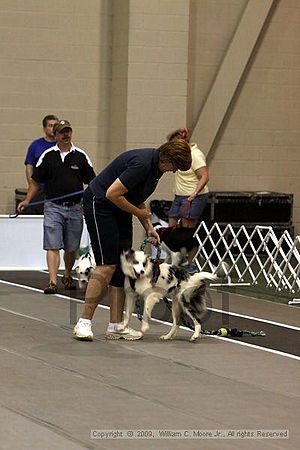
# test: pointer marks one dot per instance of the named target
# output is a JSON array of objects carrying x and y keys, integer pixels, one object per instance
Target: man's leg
[
  {"x": 67, "y": 280},
  {"x": 53, "y": 265},
  {"x": 53, "y": 260},
  {"x": 73, "y": 225},
  {"x": 69, "y": 259},
  {"x": 53, "y": 230}
]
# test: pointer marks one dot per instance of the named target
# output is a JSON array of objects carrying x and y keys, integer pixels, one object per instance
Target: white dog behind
[
  {"x": 187, "y": 293},
  {"x": 85, "y": 265}
]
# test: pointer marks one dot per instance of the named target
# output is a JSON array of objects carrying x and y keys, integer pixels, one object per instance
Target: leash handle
[{"x": 158, "y": 247}]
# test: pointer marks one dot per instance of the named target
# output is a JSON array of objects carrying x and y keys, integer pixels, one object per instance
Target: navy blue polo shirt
[{"x": 136, "y": 169}]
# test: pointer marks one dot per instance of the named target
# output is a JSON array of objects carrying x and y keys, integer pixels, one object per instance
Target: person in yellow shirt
[{"x": 191, "y": 190}]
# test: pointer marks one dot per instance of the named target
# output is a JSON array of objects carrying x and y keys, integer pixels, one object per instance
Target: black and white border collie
[
  {"x": 187, "y": 293},
  {"x": 138, "y": 285}
]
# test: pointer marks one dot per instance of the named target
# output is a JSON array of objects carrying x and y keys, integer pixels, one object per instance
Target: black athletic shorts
[{"x": 110, "y": 231}]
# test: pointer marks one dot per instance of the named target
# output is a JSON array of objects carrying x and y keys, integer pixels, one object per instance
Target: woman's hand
[
  {"x": 192, "y": 197},
  {"x": 154, "y": 236}
]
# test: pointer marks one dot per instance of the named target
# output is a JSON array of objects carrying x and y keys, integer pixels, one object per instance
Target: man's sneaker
[
  {"x": 69, "y": 283},
  {"x": 83, "y": 330},
  {"x": 124, "y": 333},
  {"x": 50, "y": 289}
]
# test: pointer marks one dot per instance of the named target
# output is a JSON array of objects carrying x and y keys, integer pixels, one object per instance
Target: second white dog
[{"x": 85, "y": 265}]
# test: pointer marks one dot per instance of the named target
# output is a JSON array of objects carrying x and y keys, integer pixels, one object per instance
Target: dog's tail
[{"x": 204, "y": 276}]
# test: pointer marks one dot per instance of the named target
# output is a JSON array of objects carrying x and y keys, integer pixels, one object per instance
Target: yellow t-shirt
[{"x": 186, "y": 182}]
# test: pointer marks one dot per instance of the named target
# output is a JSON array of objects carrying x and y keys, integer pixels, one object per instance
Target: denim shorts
[
  {"x": 62, "y": 226},
  {"x": 182, "y": 208}
]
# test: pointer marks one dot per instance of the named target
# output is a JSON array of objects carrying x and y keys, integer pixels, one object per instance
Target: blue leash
[{"x": 40, "y": 202}]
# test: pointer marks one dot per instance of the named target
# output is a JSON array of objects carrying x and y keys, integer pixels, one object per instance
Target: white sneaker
[
  {"x": 83, "y": 330},
  {"x": 129, "y": 334}
]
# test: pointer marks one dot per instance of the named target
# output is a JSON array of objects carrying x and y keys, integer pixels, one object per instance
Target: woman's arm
[
  {"x": 203, "y": 176},
  {"x": 150, "y": 231},
  {"x": 115, "y": 193}
]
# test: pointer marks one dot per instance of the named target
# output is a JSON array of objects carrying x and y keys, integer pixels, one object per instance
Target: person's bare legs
[
  {"x": 69, "y": 258},
  {"x": 117, "y": 300},
  {"x": 190, "y": 223},
  {"x": 116, "y": 328},
  {"x": 53, "y": 260},
  {"x": 100, "y": 278},
  {"x": 98, "y": 283},
  {"x": 172, "y": 221}
]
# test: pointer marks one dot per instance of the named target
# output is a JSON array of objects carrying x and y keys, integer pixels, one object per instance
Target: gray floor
[{"x": 55, "y": 390}]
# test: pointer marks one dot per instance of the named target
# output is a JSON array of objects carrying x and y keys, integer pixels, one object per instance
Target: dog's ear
[
  {"x": 128, "y": 253},
  {"x": 173, "y": 274}
]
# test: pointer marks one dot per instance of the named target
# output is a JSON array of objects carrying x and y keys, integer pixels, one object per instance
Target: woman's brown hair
[{"x": 178, "y": 153}]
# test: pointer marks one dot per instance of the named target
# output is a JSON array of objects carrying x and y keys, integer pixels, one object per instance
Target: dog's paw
[
  {"x": 165, "y": 337},
  {"x": 145, "y": 327},
  {"x": 194, "y": 338}
]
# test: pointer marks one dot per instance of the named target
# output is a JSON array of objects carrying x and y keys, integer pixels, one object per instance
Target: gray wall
[{"x": 125, "y": 72}]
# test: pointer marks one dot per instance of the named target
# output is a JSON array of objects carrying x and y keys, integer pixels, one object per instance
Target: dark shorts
[
  {"x": 182, "y": 208},
  {"x": 110, "y": 231}
]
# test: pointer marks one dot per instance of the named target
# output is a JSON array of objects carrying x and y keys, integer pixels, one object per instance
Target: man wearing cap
[{"x": 63, "y": 169}]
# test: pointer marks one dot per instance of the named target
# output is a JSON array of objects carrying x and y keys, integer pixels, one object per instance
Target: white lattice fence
[{"x": 251, "y": 256}]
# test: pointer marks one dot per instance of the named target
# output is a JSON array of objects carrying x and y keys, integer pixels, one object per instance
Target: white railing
[{"x": 250, "y": 257}]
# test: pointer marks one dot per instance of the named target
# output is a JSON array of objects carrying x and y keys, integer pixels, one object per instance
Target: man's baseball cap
[{"x": 60, "y": 126}]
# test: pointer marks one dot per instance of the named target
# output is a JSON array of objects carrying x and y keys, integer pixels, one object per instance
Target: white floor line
[
  {"x": 244, "y": 316},
  {"x": 245, "y": 344},
  {"x": 265, "y": 349},
  {"x": 41, "y": 291}
]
